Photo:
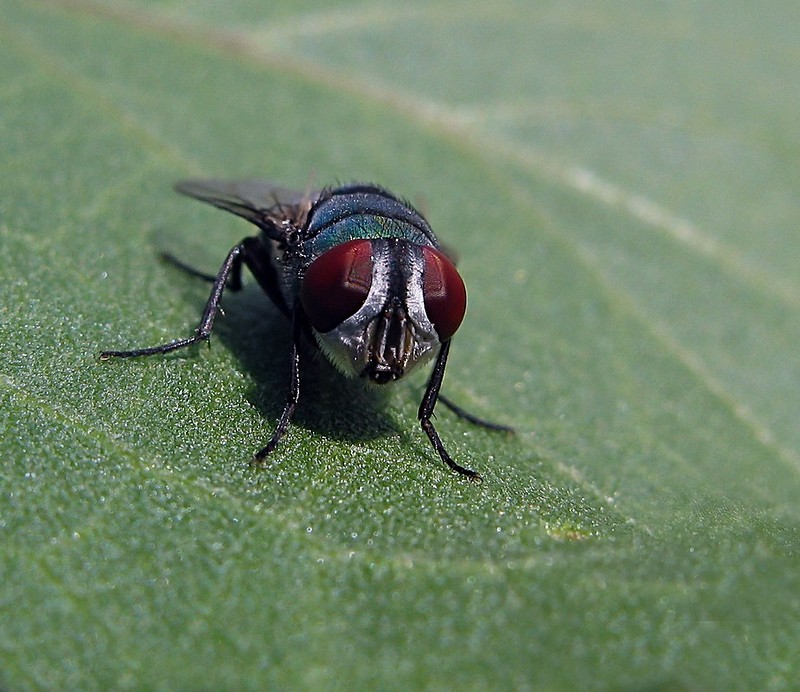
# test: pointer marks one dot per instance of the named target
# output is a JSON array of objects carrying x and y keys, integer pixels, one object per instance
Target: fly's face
[{"x": 380, "y": 306}]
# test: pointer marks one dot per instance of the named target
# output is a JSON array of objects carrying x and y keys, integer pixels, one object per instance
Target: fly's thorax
[{"x": 364, "y": 211}]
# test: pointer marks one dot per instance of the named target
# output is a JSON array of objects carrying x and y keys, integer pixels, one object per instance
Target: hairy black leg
[
  {"x": 467, "y": 416},
  {"x": 426, "y": 411},
  {"x": 231, "y": 267},
  {"x": 298, "y": 325}
]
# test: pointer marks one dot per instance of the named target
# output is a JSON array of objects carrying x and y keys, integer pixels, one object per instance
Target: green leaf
[{"x": 621, "y": 183}]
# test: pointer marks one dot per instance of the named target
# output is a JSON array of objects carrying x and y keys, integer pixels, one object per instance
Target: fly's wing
[{"x": 261, "y": 202}]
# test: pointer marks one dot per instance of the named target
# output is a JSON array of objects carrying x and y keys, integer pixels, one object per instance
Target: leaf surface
[{"x": 621, "y": 184}]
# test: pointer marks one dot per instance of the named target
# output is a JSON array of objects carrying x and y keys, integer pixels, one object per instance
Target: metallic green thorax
[{"x": 353, "y": 212}]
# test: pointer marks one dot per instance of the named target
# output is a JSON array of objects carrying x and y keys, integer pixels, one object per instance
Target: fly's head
[{"x": 378, "y": 307}]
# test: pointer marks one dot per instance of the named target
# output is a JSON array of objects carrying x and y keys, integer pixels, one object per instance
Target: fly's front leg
[
  {"x": 298, "y": 325},
  {"x": 426, "y": 412},
  {"x": 231, "y": 269}
]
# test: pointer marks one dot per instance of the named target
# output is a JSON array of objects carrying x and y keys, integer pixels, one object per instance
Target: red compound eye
[
  {"x": 336, "y": 284},
  {"x": 444, "y": 293}
]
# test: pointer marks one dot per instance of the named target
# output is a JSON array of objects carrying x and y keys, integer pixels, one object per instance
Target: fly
[{"x": 357, "y": 271}]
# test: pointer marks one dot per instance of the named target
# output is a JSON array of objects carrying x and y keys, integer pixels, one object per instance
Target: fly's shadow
[{"x": 260, "y": 339}]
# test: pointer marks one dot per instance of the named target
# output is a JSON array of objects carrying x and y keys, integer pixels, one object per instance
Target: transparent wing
[{"x": 261, "y": 202}]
